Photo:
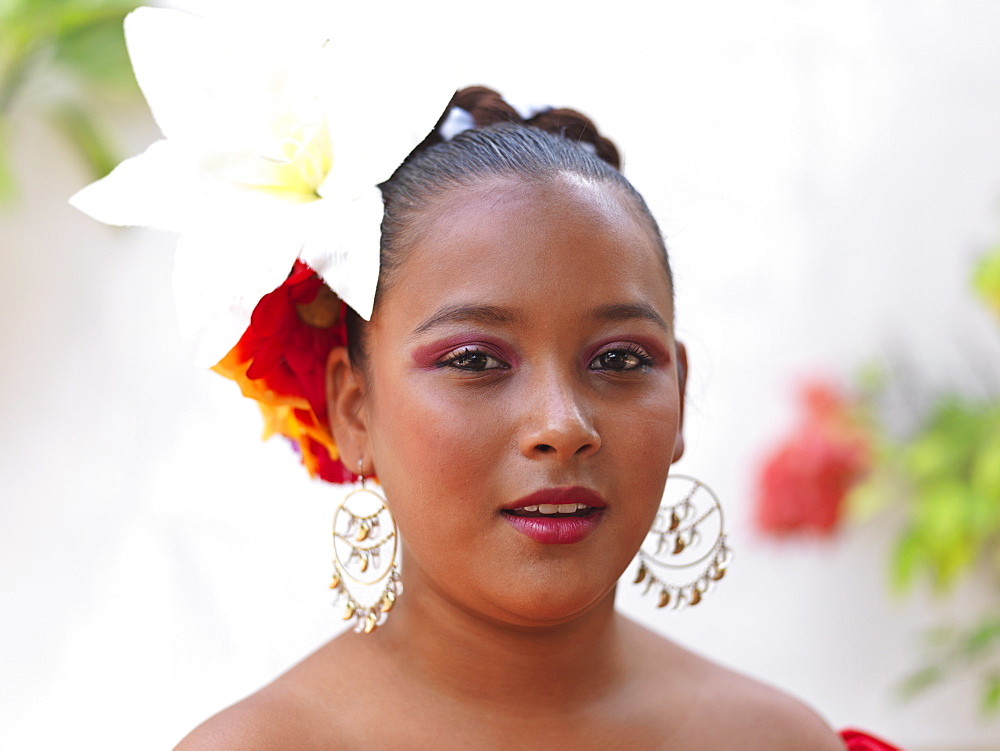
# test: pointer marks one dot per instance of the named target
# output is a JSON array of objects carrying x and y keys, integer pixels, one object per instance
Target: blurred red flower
[{"x": 804, "y": 480}]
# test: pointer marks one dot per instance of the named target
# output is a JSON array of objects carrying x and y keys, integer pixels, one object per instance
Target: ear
[
  {"x": 682, "y": 373},
  {"x": 345, "y": 403}
]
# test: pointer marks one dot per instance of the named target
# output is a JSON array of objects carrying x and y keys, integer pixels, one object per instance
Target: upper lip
[{"x": 575, "y": 494}]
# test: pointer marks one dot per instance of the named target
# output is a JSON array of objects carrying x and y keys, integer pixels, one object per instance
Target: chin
[{"x": 548, "y": 608}]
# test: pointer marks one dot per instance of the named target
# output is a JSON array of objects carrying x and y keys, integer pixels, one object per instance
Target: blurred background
[{"x": 828, "y": 178}]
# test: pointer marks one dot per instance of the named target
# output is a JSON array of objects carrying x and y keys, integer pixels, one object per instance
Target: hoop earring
[
  {"x": 676, "y": 533},
  {"x": 365, "y": 545}
]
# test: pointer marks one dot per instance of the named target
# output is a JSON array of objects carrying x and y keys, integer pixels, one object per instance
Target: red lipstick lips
[{"x": 556, "y": 516}]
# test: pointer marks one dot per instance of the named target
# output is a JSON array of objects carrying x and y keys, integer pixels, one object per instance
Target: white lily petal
[
  {"x": 259, "y": 125},
  {"x": 373, "y": 136},
  {"x": 225, "y": 265},
  {"x": 158, "y": 188},
  {"x": 217, "y": 93},
  {"x": 344, "y": 248}
]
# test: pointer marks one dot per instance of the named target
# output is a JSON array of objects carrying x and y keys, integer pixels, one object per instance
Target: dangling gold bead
[
  {"x": 695, "y": 596},
  {"x": 664, "y": 598},
  {"x": 675, "y": 521},
  {"x": 364, "y": 563},
  {"x": 679, "y": 545},
  {"x": 370, "y": 621},
  {"x": 640, "y": 575},
  {"x": 363, "y": 531},
  {"x": 335, "y": 582},
  {"x": 718, "y": 574},
  {"x": 349, "y": 610},
  {"x": 388, "y": 600}
]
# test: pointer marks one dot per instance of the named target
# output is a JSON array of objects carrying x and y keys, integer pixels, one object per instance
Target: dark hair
[{"x": 502, "y": 145}]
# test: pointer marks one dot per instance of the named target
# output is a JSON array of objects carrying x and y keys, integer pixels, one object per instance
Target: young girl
[{"x": 519, "y": 394}]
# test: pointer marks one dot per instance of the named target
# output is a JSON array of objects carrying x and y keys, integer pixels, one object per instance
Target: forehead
[{"x": 565, "y": 242}]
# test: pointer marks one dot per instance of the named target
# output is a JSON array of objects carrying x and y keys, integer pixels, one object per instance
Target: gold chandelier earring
[
  {"x": 365, "y": 568},
  {"x": 688, "y": 534}
]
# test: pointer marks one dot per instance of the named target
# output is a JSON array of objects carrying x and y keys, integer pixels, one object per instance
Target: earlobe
[
  {"x": 345, "y": 394},
  {"x": 682, "y": 372}
]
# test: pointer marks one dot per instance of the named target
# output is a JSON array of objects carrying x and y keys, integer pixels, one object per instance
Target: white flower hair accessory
[{"x": 272, "y": 152}]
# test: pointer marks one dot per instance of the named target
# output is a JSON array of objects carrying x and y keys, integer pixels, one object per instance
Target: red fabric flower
[
  {"x": 804, "y": 480},
  {"x": 280, "y": 361}
]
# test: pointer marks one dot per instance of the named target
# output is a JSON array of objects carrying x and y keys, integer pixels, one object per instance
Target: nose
[{"x": 558, "y": 423}]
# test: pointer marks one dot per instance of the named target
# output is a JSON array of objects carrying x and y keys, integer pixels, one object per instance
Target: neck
[{"x": 460, "y": 653}]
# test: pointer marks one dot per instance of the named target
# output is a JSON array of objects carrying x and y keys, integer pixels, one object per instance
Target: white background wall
[{"x": 825, "y": 172}]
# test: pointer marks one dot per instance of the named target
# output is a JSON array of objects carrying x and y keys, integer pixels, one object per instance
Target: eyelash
[
  {"x": 453, "y": 358},
  {"x": 644, "y": 359}
]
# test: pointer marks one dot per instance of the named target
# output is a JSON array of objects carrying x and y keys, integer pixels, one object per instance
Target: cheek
[
  {"x": 639, "y": 445},
  {"x": 644, "y": 424},
  {"x": 655, "y": 438},
  {"x": 444, "y": 463},
  {"x": 428, "y": 442}
]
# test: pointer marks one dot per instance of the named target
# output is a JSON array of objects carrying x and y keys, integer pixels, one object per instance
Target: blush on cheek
[
  {"x": 428, "y": 435},
  {"x": 658, "y": 431}
]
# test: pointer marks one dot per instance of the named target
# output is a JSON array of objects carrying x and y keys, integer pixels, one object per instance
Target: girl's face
[{"x": 524, "y": 357}]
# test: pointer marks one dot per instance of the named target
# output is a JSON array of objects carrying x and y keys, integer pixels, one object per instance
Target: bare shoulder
[
  {"x": 768, "y": 718},
  {"x": 273, "y": 719},
  {"x": 295, "y": 712},
  {"x": 721, "y": 705}
]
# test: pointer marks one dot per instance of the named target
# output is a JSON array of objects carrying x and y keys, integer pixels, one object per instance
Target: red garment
[{"x": 858, "y": 741}]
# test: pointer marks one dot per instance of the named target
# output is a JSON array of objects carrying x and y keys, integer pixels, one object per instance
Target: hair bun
[
  {"x": 485, "y": 105},
  {"x": 487, "y": 108},
  {"x": 577, "y": 127}
]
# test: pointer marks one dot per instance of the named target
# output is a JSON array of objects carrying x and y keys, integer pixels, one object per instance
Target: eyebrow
[
  {"x": 630, "y": 312},
  {"x": 493, "y": 315},
  {"x": 483, "y": 314}
]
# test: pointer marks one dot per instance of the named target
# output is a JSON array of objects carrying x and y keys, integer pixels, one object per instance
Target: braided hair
[{"x": 502, "y": 145}]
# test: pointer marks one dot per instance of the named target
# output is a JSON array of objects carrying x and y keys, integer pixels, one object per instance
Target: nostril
[{"x": 544, "y": 448}]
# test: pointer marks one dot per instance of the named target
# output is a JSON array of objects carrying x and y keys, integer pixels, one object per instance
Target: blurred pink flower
[{"x": 804, "y": 480}]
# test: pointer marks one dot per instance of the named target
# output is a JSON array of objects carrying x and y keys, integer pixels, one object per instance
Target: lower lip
[{"x": 560, "y": 531}]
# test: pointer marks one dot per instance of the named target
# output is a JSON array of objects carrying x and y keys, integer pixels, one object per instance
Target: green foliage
[
  {"x": 946, "y": 477},
  {"x": 65, "y": 57},
  {"x": 953, "y": 650},
  {"x": 986, "y": 280},
  {"x": 952, "y": 469}
]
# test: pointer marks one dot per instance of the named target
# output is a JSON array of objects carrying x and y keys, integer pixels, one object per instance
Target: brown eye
[
  {"x": 471, "y": 359},
  {"x": 621, "y": 359}
]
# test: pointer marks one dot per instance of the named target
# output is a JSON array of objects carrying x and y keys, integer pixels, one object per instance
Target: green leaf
[
  {"x": 907, "y": 557},
  {"x": 991, "y": 694},
  {"x": 985, "y": 464},
  {"x": 78, "y": 125},
  {"x": 928, "y": 457},
  {"x": 953, "y": 650},
  {"x": 986, "y": 279},
  {"x": 873, "y": 494},
  {"x": 982, "y": 638},
  {"x": 940, "y": 508},
  {"x": 921, "y": 680},
  {"x": 96, "y": 53},
  {"x": 941, "y": 519},
  {"x": 8, "y": 184},
  {"x": 91, "y": 44}
]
